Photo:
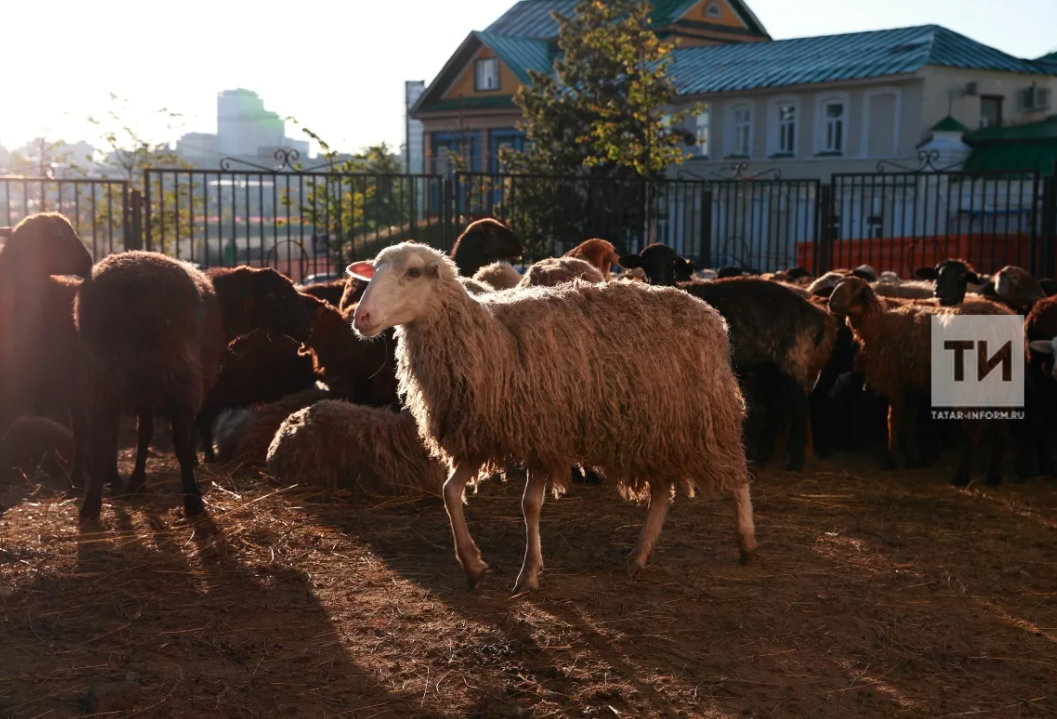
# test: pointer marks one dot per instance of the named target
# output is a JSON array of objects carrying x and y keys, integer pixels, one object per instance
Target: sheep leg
[
  {"x": 183, "y": 436},
  {"x": 975, "y": 431},
  {"x": 896, "y": 409},
  {"x": 998, "y": 452},
  {"x": 79, "y": 423},
  {"x": 531, "y": 505},
  {"x": 1047, "y": 467},
  {"x": 744, "y": 525},
  {"x": 205, "y": 433},
  {"x": 144, "y": 434},
  {"x": 466, "y": 551},
  {"x": 103, "y": 427},
  {"x": 660, "y": 501}
]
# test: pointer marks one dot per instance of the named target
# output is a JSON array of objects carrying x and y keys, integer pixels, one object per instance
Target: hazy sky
[{"x": 339, "y": 67}]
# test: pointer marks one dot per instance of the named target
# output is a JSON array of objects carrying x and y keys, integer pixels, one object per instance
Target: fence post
[
  {"x": 147, "y": 212},
  {"x": 134, "y": 220},
  {"x": 1047, "y": 255},
  {"x": 826, "y": 230},
  {"x": 449, "y": 209},
  {"x": 706, "y": 228}
]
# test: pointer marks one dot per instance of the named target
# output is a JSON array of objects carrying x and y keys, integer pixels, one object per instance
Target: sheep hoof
[
  {"x": 746, "y": 556},
  {"x": 993, "y": 479},
  {"x": 476, "y": 574},
  {"x": 796, "y": 464},
  {"x": 526, "y": 584},
  {"x": 90, "y": 514},
  {"x": 961, "y": 479},
  {"x": 193, "y": 505}
]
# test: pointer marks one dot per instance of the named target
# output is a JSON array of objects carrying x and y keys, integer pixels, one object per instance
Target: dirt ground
[{"x": 873, "y": 595}]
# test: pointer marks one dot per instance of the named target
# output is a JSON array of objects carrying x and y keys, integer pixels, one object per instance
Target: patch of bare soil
[{"x": 873, "y": 595}]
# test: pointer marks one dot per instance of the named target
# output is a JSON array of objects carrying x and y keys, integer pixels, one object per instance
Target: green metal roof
[
  {"x": 532, "y": 18},
  {"x": 852, "y": 56},
  {"x": 948, "y": 124},
  {"x": 1032, "y": 146},
  {"x": 519, "y": 54}
]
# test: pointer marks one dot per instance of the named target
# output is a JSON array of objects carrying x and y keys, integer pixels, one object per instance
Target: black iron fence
[
  {"x": 299, "y": 222},
  {"x": 98, "y": 209},
  {"x": 314, "y": 222},
  {"x": 552, "y": 214}
]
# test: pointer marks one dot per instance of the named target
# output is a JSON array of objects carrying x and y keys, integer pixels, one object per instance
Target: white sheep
[{"x": 630, "y": 380}]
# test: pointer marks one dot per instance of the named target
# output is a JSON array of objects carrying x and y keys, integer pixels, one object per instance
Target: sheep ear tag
[{"x": 361, "y": 270}]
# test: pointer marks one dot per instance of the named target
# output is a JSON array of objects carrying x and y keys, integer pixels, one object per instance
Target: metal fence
[
  {"x": 98, "y": 209},
  {"x": 299, "y": 222},
  {"x": 552, "y": 214},
  {"x": 306, "y": 222}
]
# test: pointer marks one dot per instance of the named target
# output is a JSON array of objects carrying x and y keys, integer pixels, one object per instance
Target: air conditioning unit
[
  {"x": 971, "y": 89},
  {"x": 1033, "y": 99}
]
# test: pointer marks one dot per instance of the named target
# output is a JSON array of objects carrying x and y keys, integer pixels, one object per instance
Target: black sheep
[
  {"x": 484, "y": 242},
  {"x": 258, "y": 367},
  {"x": 153, "y": 331}
]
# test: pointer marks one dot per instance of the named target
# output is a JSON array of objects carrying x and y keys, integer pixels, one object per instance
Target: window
[
  {"x": 486, "y": 74},
  {"x": 713, "y": 10},
  {"x": 880, "y": 127},
  {"x": 990, "y": 111},
  {"x": 787, "y": 128},
  {"x": 742, "y": 131},
  {"x": 833, "y": 114},
  {"x": 701, "y": 130}
]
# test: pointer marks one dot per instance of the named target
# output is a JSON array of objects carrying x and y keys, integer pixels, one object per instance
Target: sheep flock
[{"x": 423, "y": 373}]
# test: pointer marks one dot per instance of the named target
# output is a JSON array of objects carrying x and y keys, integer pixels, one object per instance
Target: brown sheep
[
  {"x": 557, "y": 270},
  {"x": 340, "y": 445},
  {"x": 1040, "y": 410},
  {"x": 600, "y": 254},
  {"x": 361, "y": 371},
  {"x": 331, "y": 291},
  {"x": 894, "y": 355},
  {"x": 772, "y": 326},
  {"x": 244, "y": 435},
  {"x": 482, "y": 243},
  {"x": 544, "y": 377},
  {"x": 153, "y": 331},
  {"x": 353, "y": 292},
  {"x": 498, "y": 276},
  {"x": 32, "y": 443},
  {"x": 259, "y": 366}
]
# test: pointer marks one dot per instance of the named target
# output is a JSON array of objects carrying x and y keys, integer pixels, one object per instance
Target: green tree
[
  {"x": 603, "y": 107},
  {"x": 601, "y": 122},
  {"x": 177, "y": 200},
  {"x": 360, "y": 203}
]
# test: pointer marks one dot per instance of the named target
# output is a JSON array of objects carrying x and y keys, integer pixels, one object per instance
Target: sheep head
[
  {"x": 260, "y": 297},
  {"x": 485, "y": 241},
  {"x": 853, "y": 297},
  {"x": 401, "y": 283},
  {"x": 44, "y": 244},
  {"x": 952, "y": 279},
  {"x": 663, "y": 265},
  {"x": 599, "y": 253},
  {"x": 1016, "y": 287}
]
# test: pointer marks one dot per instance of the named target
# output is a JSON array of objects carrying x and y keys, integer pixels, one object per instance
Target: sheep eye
[{"x": 414, "y": 272}]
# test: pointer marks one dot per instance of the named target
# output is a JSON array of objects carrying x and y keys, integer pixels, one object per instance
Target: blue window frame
[
  {"x": 503, "y": 138},
  {"x": 467, "y": 144}
]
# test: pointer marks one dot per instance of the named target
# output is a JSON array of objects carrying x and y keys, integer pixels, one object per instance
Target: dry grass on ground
[{"x": 874, "y": 595}]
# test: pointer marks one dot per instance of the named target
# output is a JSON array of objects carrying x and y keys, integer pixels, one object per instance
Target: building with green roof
[{"x": 809, "y": 106}]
